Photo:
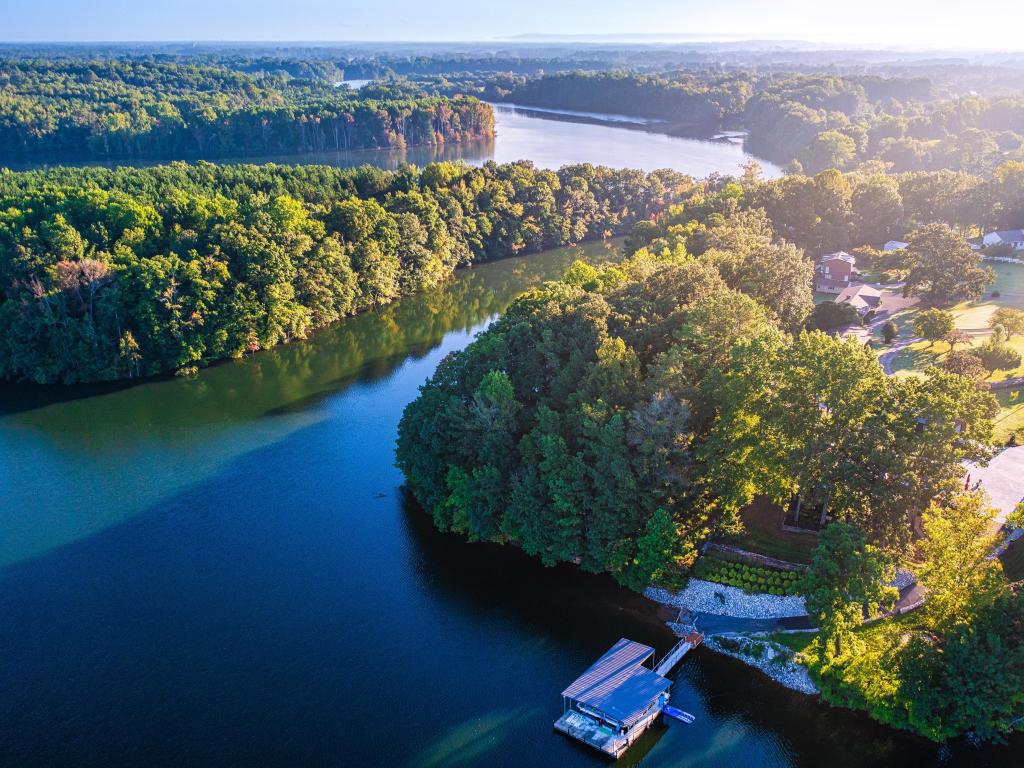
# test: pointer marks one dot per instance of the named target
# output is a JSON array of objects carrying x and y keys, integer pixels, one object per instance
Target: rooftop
[
  {"x": 618, "y": 685},
  {"x": 1010, "y": 235},
  {"x": 861, "y": 296},
  {"x": 838, "y": 256}
]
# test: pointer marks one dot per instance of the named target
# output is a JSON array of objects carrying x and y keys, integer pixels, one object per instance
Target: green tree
[
  {"x": 995, "y": 354},
  {"x": 829, "y": 149},
  {"x": 934, "y": 324},
  {"x": 847, "y": 580},
  {"x": 798, "y": 416},
  {"x": 943, "y": 267},
  {"x": 656, "y": 550},
  {"x": 830, "y": 316},
  {"x": 956, "y": 548},
  {"x": 1011, "y": 318},
  {"x": 964, "y": 364}
]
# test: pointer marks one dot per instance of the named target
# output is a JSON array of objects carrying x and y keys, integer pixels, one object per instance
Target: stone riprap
[{"x": 721, "y": 600}]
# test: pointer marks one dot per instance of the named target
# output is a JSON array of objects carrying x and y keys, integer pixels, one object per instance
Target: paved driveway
[{"x": 1003, "y": 480}]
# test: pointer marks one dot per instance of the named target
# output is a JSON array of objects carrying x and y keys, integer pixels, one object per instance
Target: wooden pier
[{"x": 673, "y": 657}]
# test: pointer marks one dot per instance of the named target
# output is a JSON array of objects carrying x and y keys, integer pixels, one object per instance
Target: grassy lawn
[
  {"x": 764, "y": 535},
  {"x": 1009, "y": 279},
  {"x": 920, "y": 355},
  {"x": 1013, "y": 560},
  {"x": 974, "y": 315},
  {"x": 796, "y": 642},
  {"x": 1011, "y": 414}
]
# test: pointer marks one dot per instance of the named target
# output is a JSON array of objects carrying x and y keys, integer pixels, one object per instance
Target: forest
[
  {"x": 628, "y": 406},
  {"x": 621, "y": 417},
  {"x": 110, "y": 274},
  {"x": 808, "y": 121},
  {"x": 62, "y": 110}
]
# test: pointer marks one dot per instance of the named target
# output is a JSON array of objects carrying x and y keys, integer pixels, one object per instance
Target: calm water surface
[
  {"x": 223, "y": 571},
  {"x": 552, "y": 139}
]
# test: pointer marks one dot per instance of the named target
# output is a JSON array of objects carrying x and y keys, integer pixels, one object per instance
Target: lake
[
  {"x": 551, "y": 139},
  {"x": 224, "y": 571}
]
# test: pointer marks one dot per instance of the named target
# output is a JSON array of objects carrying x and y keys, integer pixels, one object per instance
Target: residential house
[
  {"x": 1014, "y": 238},
  {"x": 835, "y": 272},
  {"x": 894, "y": 245},
  {"x": 864, "y": 298}
]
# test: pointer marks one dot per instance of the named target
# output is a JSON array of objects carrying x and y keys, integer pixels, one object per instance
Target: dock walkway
[{"x": 673, "y": 657}]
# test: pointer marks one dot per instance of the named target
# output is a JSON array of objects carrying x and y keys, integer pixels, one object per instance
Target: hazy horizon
[{"x": 987, "y": 25}]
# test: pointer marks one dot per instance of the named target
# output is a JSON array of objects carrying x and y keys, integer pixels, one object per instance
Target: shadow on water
[
  {"x": 71, "y": 465},
  {"x": 365, "y": 347},
  {"x": 280, "y": 614},
  {"x": 277, "y": 602}
]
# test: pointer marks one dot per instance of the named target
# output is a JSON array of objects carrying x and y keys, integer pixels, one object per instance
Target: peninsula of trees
[
  {"x": 61, "y": 110},
  {"x": 621, "y": 417},
  {"x": 115, "y": 274}
]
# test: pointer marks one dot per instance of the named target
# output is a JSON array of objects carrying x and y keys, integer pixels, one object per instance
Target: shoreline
[{"x": 777, "y": 662}]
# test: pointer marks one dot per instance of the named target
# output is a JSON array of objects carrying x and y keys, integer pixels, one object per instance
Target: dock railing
[{"x": 680, "y": 649}]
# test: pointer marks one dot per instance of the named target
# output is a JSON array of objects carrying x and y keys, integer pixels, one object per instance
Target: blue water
[{"x": 223, "y": 572}]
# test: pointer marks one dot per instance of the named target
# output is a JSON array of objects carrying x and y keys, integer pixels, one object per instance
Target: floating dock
[{"x": 611, "y": 704}]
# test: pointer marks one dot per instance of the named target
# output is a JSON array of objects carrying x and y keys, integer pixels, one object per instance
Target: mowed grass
[
  {"x": 922, "y": 354},
  {"x": 1010, "y": 418},
  {"x": 972, "y": 317},
  {"x": 763, "y": 534},
  {"x": 795, "y": 641}
]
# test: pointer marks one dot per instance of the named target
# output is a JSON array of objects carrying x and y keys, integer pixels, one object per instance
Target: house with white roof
[
  {"x": 1014, "y": 238},
  {"x": 864, "y": 298},
  {"x": 894, "y": 245}
]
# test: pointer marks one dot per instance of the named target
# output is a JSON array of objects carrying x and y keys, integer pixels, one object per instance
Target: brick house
[{"x": 834, "y": 272}]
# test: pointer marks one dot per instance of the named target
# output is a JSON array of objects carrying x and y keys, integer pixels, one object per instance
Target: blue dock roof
[{"x": 618, "y": 685}]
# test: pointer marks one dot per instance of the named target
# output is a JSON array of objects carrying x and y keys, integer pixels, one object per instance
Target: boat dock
[
  {"x": 611, "y": 704},
  {"x": 673, "y": 657}
]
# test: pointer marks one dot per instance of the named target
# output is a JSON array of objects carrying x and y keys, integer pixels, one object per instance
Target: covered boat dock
[{"x": 615, "y": 700}]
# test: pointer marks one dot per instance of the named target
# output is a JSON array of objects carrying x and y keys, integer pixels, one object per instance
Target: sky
[{"x": 920, "y": 24}]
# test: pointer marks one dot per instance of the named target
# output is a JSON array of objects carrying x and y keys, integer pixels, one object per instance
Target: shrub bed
[{"x": 750, "y": 578}]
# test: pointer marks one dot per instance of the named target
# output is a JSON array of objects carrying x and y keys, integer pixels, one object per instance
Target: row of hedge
[{"x": 750, "y": 578}]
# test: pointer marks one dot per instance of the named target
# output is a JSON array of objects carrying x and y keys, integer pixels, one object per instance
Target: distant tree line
[
  {"x": 812, "y": 122},
  {"x": 70, "y": 109}
]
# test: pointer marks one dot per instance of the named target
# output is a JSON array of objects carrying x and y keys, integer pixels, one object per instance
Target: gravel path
[{"x": 721, "y": 600}]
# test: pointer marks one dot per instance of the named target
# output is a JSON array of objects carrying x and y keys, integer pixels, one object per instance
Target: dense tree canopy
[
  {"x": 619, "y": 417},
  {"x": 956, "y": 665},
  {"x": 111, "y": 274},
  {"x": 72, "y": 109}
]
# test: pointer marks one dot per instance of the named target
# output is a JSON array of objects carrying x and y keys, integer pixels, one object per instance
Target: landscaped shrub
[{"x": 723, "y": 569}]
